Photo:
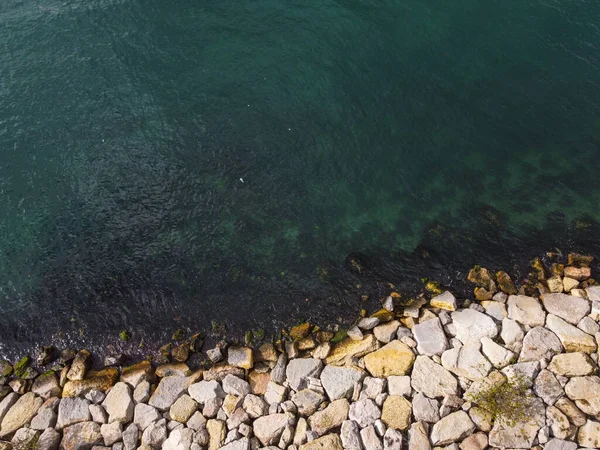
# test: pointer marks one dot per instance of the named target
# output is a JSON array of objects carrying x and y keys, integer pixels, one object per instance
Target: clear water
[{"x": 177, "y": 162}]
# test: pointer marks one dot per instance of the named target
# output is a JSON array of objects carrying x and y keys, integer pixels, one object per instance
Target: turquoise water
[{"x": 205, "y": 159}]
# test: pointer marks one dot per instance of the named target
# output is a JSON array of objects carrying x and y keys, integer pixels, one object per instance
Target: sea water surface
[{"x": 257, "y": 162}]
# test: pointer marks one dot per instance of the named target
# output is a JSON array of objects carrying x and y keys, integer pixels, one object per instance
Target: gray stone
[
  {"x": 386, "y": 332},
  {"x": 526, "y": 310},
  {"x": 567, "y": 307},
  {"x": 95, "y": 396},
  {"x": 7, "y": 403},
  {"x": 452, "y": 428},
  {"x": 350, "y": 435},
  {"x": 523, "y": 372},
  {"x": 278, "y": 372},
  {"x": 25, "y": 438},
  {"x": 540, "y": 343},
  {"x": 520, "y": 433},
  {"x": 298, "y": 370},
  {"x": 155, "y": 435},
  {"x": 119, "y": 404},
  {"x": 45, "y": 418},
  {"x": 46, "y": 386},
  {"x": 255, "y": 406},
  {"x": 368, "y": 323},
  {"x": 339, "y": 382},
  {"x": 425, "y": 409},
  {"x": 432, "y": 379},
  {"x": 430, "y": 337},
  {"x": 212, "y": 407},
  {"x": 268, "y": 429},
  {"x": 111, "y": 432},
  {"x": 144, "y": 415},
  {"x": 559, "y": 444},
  {"x": 197, "y": 422},
  {"x": 547, "y": 387},
  {"x": 169, "y": 389},
  {"x": 307, "y": 401},
  {"x": 79, "y": 365},
  {"x": 240, "y": 444},
  {"x": 72, "y": 411},
  {"x": 141, "y": 393},
  {"x": 81, "y": 436},
  {"x": 130, "y": 437},
  {"x": 588, "y": 325},
  {"x": 98, "y": 414},
  {"x": 355, "y": 334},
  {"x": 49, "y": 440},
  {"x": 236, "y": 386},
  {"x": 275, "y": 393},
  {"x": 364, "y": 412},
  {"x": 240, "y": 357}
]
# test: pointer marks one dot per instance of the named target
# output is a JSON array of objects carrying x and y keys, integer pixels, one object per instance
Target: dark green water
[{"x": 127, "y": 127}]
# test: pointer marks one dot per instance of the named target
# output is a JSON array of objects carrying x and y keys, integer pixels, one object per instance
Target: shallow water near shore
[{"x": 163, "y": 166}]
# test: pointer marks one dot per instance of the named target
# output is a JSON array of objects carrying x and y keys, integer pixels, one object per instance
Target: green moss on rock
[{"x": 20, "y": 367}]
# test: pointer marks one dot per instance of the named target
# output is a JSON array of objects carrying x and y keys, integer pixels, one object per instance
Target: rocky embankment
[{"x": 511, "y": 368}]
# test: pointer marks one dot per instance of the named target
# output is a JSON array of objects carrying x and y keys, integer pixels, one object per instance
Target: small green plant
[
  {"x": 124, "y": 335},
  {"x": 506, "y": 401},
  {"x": 178, "y": 335}
]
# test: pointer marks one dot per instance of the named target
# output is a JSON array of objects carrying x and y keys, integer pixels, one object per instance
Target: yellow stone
[
  {"x": 216, "y": 433},
  {"x": 307, "y": 343},
  {"x": 395, "y": 358},
  {"x": 328, "y": 442},
  {"x": 383, "y": 315},
  {"x": 102, "y": 380},
  {"x": 258, "y": 382},
  {"x": 396, "y": 412},
  {"x": 300, "y": 331},
  {"x": 348, "y": 348},
  {"x": 408, "y": 322},
  {"x": 231, "y": 403}
]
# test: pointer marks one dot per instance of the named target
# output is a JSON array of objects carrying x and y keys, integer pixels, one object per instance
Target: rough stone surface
[
  {"x": 432, "y": 379},
  {"x": 567, "y": 307},
  {"x": 298, "y": 371},
  {"x": 331, "y": 417},
  {"x": 144, "y": 415},
  {"x": 571, "y": 337},
  {"x": 430, "y": 337},
  {"x": 540, "y": 343},
  {"x": 547, "y": 387},
  {"x": 526, "y": 310},
  {"x": 585, "y": 392},
  {"x": 329, "y": 442},
  {"x": 572, "y": 364},
  {"x": 73, "y": 410},
  {"x": 119, "y": 403},
  {"x": 452, "y": 428},
  {"x": 339, "y": 382},
  {"x": 268, "y": 429},
  {"x": 81, "y": 436},
  {"x": 466, "y": 361},
  {"x": 169, "y": 389},
  {"x": 396, "y": 412},
  {"x": 589, "y": 434},
  {"x": 520, "y": 433},
  {"x": 445, "y": 301},
  {"x": 472, "y": 326},
  {"x": 307, "y": 401},
  {"x": 395, "y": 358},
  {"x": 183, "y": 408}
]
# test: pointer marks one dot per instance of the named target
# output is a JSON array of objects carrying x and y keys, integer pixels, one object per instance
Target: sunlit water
[{"x": 167, "y": 163}]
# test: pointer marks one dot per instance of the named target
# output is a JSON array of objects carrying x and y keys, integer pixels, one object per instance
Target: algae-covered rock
[
  {"x": 181, "y": 353},
  {"x": 576, "y": 259},
  {"x": 348, "y": 349},
  {"x": 136, "y": 373},
  {"x": 481, "y": 277},
  {"x": 80, "y": 365},
  {"x": 300, "y": 331},
  {"x": 395, "y": 358},
  {"x": 6, "y": 368},
  {"x": 21, "y": 366},
  {"x": 506, "y": 283}
]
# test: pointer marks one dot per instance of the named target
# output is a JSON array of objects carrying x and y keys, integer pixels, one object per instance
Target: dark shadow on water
[{"x": 74, "y": 309}]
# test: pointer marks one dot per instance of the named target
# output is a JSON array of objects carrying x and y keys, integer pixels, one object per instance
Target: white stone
[
  {"x": 339, "y": 382},
  {"x": 588, "y": 325},
  {"x": 589, "y": 435},
  {"x": 236, "y": 386},
  {"x": 430, "y": 337},
  {"x": 111, "y": 432},
  {"x": 432, "y": 379},
  {"x": 540, "y": 343},
  {"x": 520, "y": 433},
  {"x": 119, "y": 404},
  {"x": 169, "y": 389},
  {"x": 275, "y": 393},
  {"x": 355, "y": 334},
  {"x": 179, "y": 439},
  {"x": 425, "y": 409},
  {"x": 418, "y": 438},
  {"x": 268, "y": 429},
  {"x": 386, "y": 332},
  {"x": 445, "y": 301},
  {"x": 370, "y": 439},
  {"x": 204, "y": 391},
  {"x": 511, "y": 332},
  {"x": 364, "y": 412},
  {"x": 567, "y": 307},
  {"x": 255, "y": 406},
  {"x": 575, "y": 364},
  {"x": 472, "y": 326},
  {"x": 572, "y": 338},
  {"x": 392, "y": 440},
  {"x": 559, "y": 444},
  {"x": 467, "y": 362},
  {"x": 399, "y": 385},
  {"x": 350, "y": 435},
  {"x": 240, "y": 444},
  {"x": 144, "y": 415},
  {"x": 585, "y": 392},
  {"x": 156, "y": 434},
  {"x": 497, "y": 310},
  {"x": 496, "y": 354},
  {"x": 452, "y": 428},
  {"x": 72, "y": 411},
  {"x": 526, "y": 310},
  {"x": 368, "y": 323}
]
